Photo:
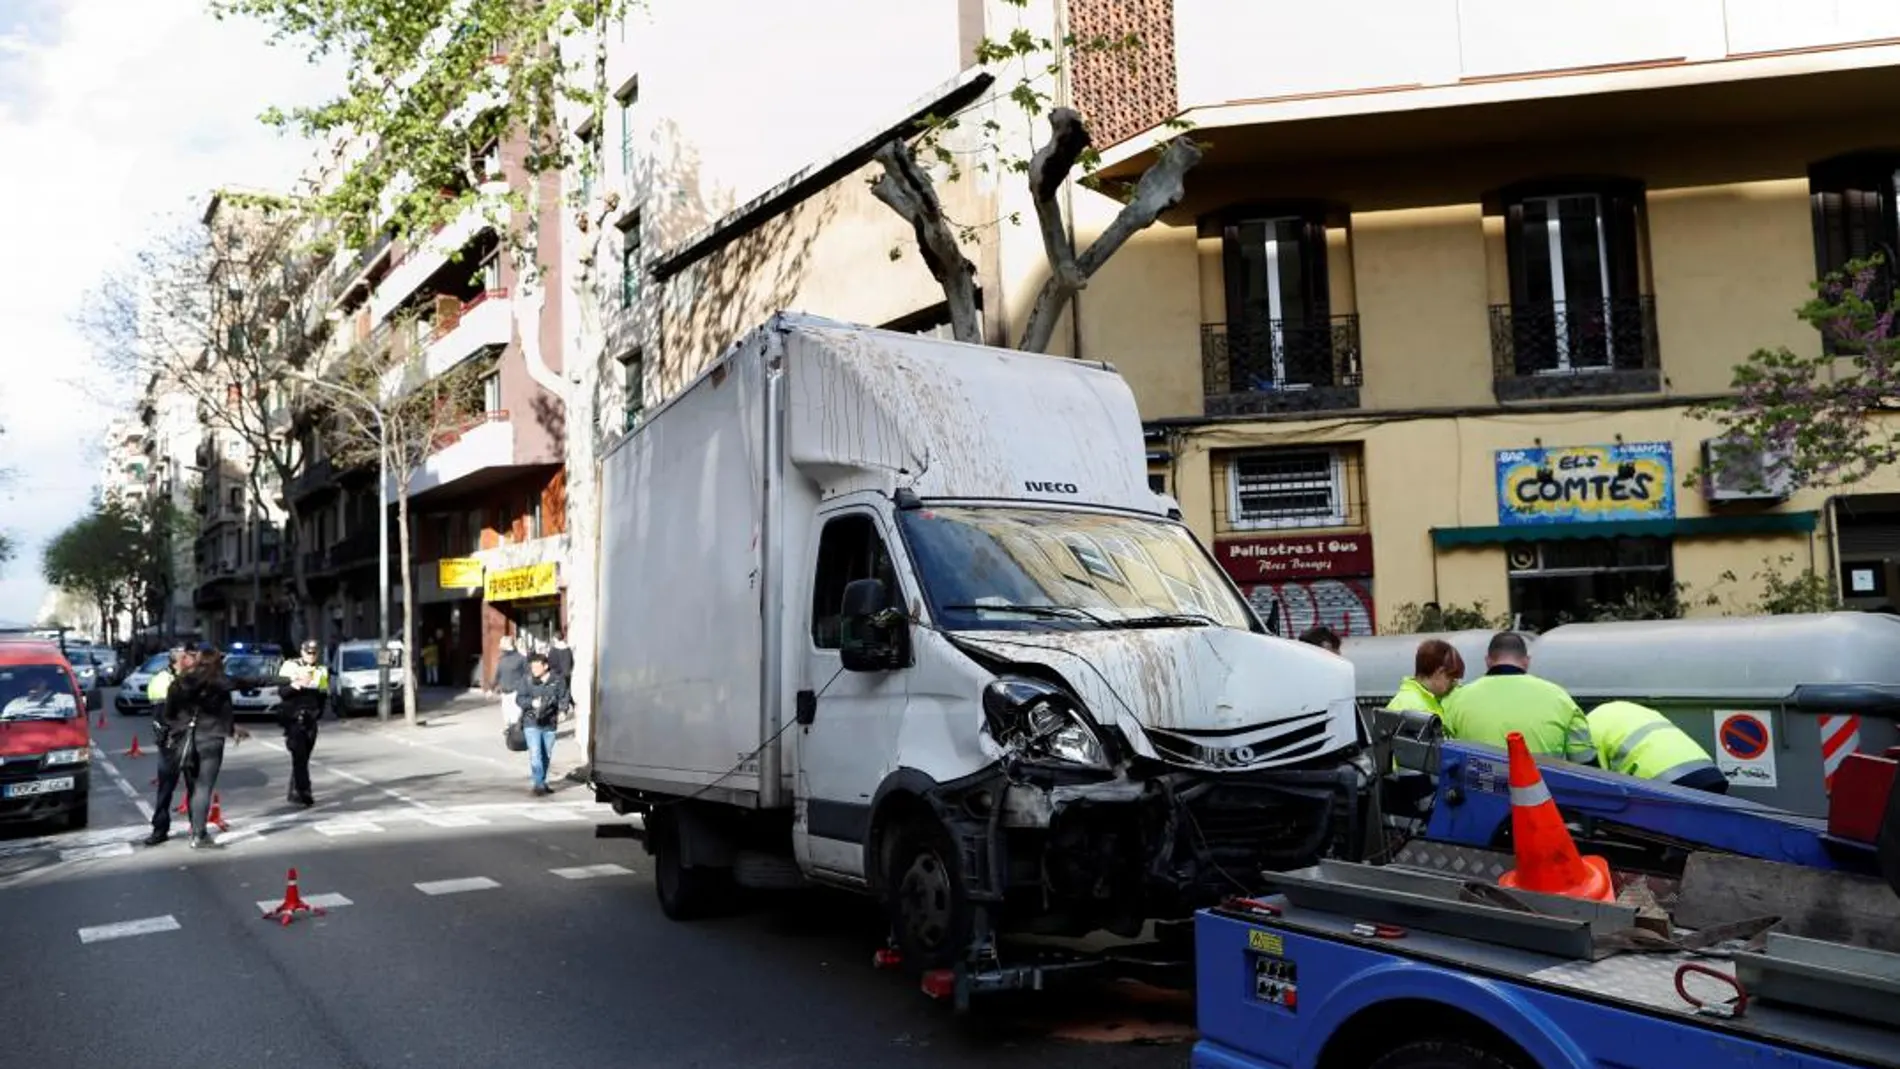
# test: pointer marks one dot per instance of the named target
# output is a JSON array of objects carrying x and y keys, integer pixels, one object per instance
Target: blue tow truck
[{"x": 1744, "y": 936}]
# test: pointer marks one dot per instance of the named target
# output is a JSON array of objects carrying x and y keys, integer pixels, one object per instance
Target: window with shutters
[
  {"x": 1287, "y": 488},
  {"x": 1578, "y": 320},
  {"x": 1281, "y": 339},
  {"x": 1853, "y": 199}
]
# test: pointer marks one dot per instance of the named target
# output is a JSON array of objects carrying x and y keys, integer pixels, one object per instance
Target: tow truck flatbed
[{"x": 1301, "y": 988}]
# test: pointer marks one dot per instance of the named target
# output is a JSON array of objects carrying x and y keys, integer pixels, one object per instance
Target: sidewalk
[{"x": 469, "y": 721}]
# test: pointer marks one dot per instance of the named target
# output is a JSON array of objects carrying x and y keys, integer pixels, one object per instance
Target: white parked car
[
  {"x": 253, "y": 701},
  {"x": 355, "y": 676},
  {"x": 131, "y": 697}
]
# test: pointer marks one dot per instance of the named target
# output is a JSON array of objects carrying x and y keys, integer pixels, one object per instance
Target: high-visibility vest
[
  {"x": 1639, "y": 741},
  {"x": 1489, "y": 708},
  {"x": 160, "y": 686},
  {"x": 1414, "y": 698},
  {"x": 314, "y": 676}
]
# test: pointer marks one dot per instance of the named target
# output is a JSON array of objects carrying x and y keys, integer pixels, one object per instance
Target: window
[
  {"x": 633, "y": 389},
  {"x": 1287, "y": 488},
  {"x": 235, "y": 499},
  {"x": 488, "y": 161},
  {"x": 531, "y": 515},
  {"x": 489, "y": 273},
  {"x": 628, "y": 95},
  {"x": 1576, "y": 302},
  {"x": 491, "y": 392},
  {"x": 234, "y": 450},
  {"x": 588, "y": 160},
  {"x": 1279, "y": 316},
  {"x": 1158, "y": 482},
  {"x": 629, "y": 262},
  {"x": 849, "y": 549},
  {"x": 1854, "y": 205},
  {"x": 1558, "y": 582},
  {"x": 234, "y": 340}
]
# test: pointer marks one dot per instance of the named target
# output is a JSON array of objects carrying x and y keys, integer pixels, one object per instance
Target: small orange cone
[
  {"x": 102, "y": 718},
  {"x": 184, "y": 803},
  {"x": 292, "y": 904},
  {"x": 216, "y": 818},
  {"x": 134, "y": 751},
  {"x": 1547, "y": 858}
]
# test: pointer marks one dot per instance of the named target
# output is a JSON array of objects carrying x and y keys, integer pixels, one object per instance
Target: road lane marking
[
  {"x": 100, "y": 758},
  {"x": 96, "y": 853},
  {"x": 347, "y": 827},
  {"x": 330, "y": 900},
  {"x": 122, "y": 929},
  {"x": 352, "y": 777},
  {"x": 451, "y": 887},
  {"x": 454, "y": 820},
  {"x": 552, "y": 816},
  {"x": 588, "y": 872}
]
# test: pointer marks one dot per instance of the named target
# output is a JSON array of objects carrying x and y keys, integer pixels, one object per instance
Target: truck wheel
[
  {"x": 930, "y": 913},
  {"x": 686, "y": 894},
  {"x": 1444, "y": 1054}
]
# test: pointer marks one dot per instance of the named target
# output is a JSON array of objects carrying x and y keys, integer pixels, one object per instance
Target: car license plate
[{"x": 39, "y": 786}]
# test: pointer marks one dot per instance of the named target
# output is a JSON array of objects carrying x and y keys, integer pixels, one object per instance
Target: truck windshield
[{"x": 987, "y": 569}]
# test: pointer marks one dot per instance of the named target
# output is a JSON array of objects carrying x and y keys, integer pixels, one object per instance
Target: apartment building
[
  {"x": 1430, "y": 323},
  {"x": 487, "y": 514},
  {"x": 170, "y": 438},
  {"x": 123, "y": 466}
]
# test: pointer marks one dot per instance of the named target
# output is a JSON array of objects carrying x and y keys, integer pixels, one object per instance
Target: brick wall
[{"x": 1125, "y": 92}]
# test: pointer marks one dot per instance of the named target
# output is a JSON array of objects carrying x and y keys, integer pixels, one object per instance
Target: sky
[{"x": 117, "y": 119}]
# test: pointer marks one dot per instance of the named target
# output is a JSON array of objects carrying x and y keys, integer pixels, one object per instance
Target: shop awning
[{"x": 1697, "y": 527}]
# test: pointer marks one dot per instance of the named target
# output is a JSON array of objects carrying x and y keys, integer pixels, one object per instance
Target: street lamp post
[{"x": 382, "y": 538}]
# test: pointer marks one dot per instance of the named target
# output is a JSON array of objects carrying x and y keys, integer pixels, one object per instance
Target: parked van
[
  {"x": 356, "y": 677},
  {"x": 45, "y": 740},
  {"x": 1778, "y": 701},
  {"x": 902, "y": 615}
]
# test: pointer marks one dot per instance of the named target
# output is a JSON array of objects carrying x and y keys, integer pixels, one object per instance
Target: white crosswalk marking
[
  {"x": 323, "y": 901},
  {"x": 451, "y": 887},
  {"x": 454, "y": 820},
  {"x": 120, "y": 930},
  {"x": 589, "y": 872},
  {"x": 347, "y": 827},
  {"x": 552, "y": 816},
  {"x": 95, "y": 853}
]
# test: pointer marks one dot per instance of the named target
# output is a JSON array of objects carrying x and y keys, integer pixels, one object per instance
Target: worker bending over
[
  {"x": 1639, "y": 741},
  {"x": 1508, "y": 698}
]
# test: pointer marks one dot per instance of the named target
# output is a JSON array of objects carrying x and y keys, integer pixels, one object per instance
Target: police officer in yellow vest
[
  {"x": 1508, "y": 698},
  {"x": 161, "y": 683},
  {"x": 302, "y": 689},
  {"x": 1639, "y": 741}
]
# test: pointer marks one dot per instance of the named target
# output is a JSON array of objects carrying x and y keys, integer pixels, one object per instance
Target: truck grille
[{"x": 1254, "y": 828}]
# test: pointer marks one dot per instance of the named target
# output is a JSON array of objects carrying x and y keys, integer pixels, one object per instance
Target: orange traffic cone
[
  {"x": 134, "y": 751},
  {"x": 184, "y": 803},
  {"x": 216, "y": 817},
  {"x": 1547, "y": 858},
  {"x": 292, "y": 904},
  {"x": 102, "y": 718}
]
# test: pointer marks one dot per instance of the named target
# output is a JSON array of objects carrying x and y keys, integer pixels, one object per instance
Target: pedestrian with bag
[
  {"x": 542, "y": 704},
  {"x": 303, "y": 687},
  {"x": 198, "y": 719},
  {"x": 159, "y": 693},
  {"x": 511, "y": 678}
]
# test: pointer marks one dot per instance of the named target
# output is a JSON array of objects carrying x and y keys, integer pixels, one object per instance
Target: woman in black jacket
[{"x": 198, "y": 719}]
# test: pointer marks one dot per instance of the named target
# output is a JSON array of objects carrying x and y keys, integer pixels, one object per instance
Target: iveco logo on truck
[{"x": 1050, "y": 488}]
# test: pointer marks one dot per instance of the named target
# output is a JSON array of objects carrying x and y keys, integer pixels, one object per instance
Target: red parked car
[{"x": 45, "y": 740}]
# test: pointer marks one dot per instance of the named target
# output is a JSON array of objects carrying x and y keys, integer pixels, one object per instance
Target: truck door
[{"x": 851, "y": 743}]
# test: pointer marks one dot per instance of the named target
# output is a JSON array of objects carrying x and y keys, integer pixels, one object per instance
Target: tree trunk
[{"x": 408, "y": 603}]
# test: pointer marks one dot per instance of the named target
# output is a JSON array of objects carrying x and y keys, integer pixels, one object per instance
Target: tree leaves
[{"x": 111, "y": 555}]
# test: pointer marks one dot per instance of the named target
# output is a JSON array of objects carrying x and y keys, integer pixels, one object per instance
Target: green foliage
[
  {"x": 1786, "y": 589},
  {"x": 1824, "y": 410},
  {"x": 1670, "y": 604},
  {"x": 1412, "y": 618},
  {"x": 413, "y": 68},
  {"x": 108, "y": 556}
]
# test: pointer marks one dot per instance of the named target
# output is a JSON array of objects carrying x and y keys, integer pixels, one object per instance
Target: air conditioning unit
[{"x": 1738, "y": 471}]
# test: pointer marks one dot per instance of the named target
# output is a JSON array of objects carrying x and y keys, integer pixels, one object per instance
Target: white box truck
[{"x": 904, "y": 615}]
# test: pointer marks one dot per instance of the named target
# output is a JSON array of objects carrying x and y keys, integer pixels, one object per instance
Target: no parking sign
[{"x": 1745, "y": 748}]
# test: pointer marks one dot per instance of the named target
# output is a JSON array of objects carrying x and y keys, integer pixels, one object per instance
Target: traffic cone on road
[
  {"x": 102, "y": 719},
  {"x": 292, "y": 904},
  {"x": 1547, "y": 858},
  {"x": 184, "y": 803},
  {"x": 216, "y": 817},
  {"x": 134, "y": 751}
]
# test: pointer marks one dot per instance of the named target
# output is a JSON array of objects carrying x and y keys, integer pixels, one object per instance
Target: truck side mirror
[{"x": 872, "y": 637}]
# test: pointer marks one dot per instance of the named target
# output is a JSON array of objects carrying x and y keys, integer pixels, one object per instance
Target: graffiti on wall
[{"x": 1345, "y": 605}]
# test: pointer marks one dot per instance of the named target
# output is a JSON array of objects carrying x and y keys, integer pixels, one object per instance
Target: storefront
[
  {"x": 1300, "y": 581},
  {"x": 526, "y": 601}
]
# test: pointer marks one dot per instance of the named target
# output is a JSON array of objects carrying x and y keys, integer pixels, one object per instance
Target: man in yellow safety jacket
[
  {"x": 161, "y": 683},
  {"x": 1508, "y": 698},
  {"x": 1639, "y": 741}
]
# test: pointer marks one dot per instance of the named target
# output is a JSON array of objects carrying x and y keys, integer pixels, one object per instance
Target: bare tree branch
[
  {"x": 1048, "y": 169},
  {"x": 909, "y": 192},
  {"x": 1161, "y": 187}
]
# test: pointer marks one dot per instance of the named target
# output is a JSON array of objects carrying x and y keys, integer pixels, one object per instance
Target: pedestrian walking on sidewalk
[
  {"x": 304, "y": 687},
  {"x": 197, "y": 721},
  {"x": 432, "y": 663},
  {"x": 511, "y": 678},
  {"x": 542, "y": 704}
]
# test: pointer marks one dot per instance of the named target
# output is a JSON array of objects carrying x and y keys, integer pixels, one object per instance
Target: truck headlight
[
  {"x": 1041, "y": 721},
  {"x": 77, "y": 756}
]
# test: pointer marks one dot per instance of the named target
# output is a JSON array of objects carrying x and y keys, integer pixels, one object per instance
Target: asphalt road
[{"x": 468, "y": 924}]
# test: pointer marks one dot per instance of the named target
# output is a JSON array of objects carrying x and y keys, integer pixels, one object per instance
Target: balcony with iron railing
[
  {"x": 1565, "y": 349},
  {"x": 1254, "y": 366},
  {"x": 319, "y": 475}
]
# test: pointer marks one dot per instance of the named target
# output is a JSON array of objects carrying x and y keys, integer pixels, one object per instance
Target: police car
[
  {"x": 132, "y": 689},
  {"x": 254, "y": 701}
]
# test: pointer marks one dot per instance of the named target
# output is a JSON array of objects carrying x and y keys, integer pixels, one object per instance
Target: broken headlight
[{"x": 1041, "y": 721}]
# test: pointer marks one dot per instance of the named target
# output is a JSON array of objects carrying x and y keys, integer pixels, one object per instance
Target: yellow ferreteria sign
[
  {"x": 534, "y": 581},
  {"x": 458, "y": 573}
]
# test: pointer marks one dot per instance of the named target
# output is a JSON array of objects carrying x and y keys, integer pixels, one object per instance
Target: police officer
[
  {"x": 1639, "y": 741},
  {"x": 161, "y": 682},
  {"x": 1508, "y": 698},
  {"x": 169, "y": 754},
  {"x": 303, "y": 688}
]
